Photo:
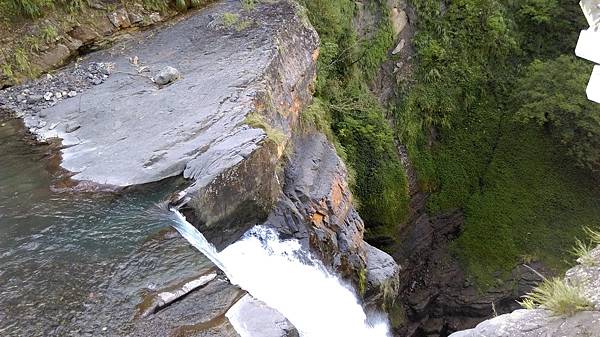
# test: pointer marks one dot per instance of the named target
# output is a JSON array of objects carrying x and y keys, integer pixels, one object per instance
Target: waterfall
[{"x": 283, "y": 276}]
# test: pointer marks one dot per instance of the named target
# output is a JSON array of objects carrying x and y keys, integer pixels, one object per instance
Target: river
[{"x": 79, "y": 263}]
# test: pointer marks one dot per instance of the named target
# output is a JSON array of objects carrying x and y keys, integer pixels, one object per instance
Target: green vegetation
[
  {"x": 29, "y": 8},
  {"x": 32, "y": 9},
  {"x": 156, "y": 5},
  {"x": 181, "y": 5},
  {"x": 473, "y": 120},
  {"x": 558, "y": 296},
  {"x": 248, "y": 4},
  {"x": 7, "y": 70},
  {"x": 22, "y": 62},
  {"x": 582, "y": 252},
  {"x": 574, "y": 122},
  {"x": 256, "y": 120},
  {"x": 49, "y": 34},
  {"x": 233, "y": 20},
  {"x": 357, "y": 120},
  {"x": 593, "y": 235}
]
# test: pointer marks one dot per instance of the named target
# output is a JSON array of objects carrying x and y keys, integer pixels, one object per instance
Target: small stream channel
[{"x": 74, "y": 264}]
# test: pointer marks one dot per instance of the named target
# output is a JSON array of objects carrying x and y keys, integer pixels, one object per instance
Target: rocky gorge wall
[
  {"x": 227, "y": 118},
  {"x": 436, "y": 294},
  {"x": 230, "y": 121}
]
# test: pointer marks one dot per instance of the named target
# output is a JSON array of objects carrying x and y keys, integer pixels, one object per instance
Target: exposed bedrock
[
  {"x": 208, "y": 306},
  {"x": 226, "y": 118},
  {"x": 316, "y": 208},
  {"x": 133, "y": 131}
]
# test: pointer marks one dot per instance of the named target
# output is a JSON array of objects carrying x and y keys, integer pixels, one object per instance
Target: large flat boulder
[{"x": 127, "y": 130}]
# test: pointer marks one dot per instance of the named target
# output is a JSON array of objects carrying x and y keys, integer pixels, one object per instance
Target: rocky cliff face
[
  {"x": 541, "y": 322},
  {"x": 227, "y": 119}
]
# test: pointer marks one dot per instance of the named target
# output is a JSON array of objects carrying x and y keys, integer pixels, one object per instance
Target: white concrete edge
[{"x": 593, "y": 88}]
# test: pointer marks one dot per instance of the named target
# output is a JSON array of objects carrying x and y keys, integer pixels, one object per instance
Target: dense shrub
[
  {"x": 346, "y": 64},
  {"x": 462, "y": 121},
  {"x": 552, "y": 94}
]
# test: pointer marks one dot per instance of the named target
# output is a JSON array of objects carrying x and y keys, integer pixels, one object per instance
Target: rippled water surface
[{"x": 77, "y": 263}]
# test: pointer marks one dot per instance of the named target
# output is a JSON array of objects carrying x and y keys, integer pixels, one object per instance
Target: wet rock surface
[
  {"x": 252, "y": 318},
  {"x": 382, "y": 276},
  {"x": 543, "y": 323},
  {"x": 133, "y": 132},
  {"x": 200, "y": 313}
]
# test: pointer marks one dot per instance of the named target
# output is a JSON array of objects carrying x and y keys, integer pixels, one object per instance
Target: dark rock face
[
  {"x": 436, "y": 296},
  {"x": 316, "y": 206},
  {"x": 543, "y": 323}
]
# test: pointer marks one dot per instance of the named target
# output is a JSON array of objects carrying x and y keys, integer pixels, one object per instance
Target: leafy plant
[
  {"x": 22, "y": 60},
  {"x": 181, "y": 5},
  {"x": 230, "y": 19},
  {"x": 49, "y": 33},
  {"x": 155, "y": 5},
  {"x": 31, "y": 8},
  {"x": 73, "y": 6},
  {"x": 7, "y": 70},
  {"x": 552, "y": 94},
  {"x": 558, "y": 296},
  {"x": 249, "y": 4}
]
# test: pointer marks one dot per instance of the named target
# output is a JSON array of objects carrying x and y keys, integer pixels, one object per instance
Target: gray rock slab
[
  {"x": 201, "y": 313},
  {"x": 132, "y": 131},
  {"x": 382, "y": 274},
  {"x": 537, "y": 323},
  {"x": 252, "y": 318}
]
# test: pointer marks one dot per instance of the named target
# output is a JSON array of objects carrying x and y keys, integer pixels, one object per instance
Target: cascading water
[{"x": 312, "y": 299}]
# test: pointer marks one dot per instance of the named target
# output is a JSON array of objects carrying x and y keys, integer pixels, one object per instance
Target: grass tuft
[
  {"x": 558, "y": 296},
  {"x": 49, "y": 33},
  {"x": 230, "y": 19},
  {"x": 248, "y": 4},
  {"x": 7, "y": 71},
  {"x": 582, "y": 251},
  {"x": 593, "y": 235},
  {"x": 259, "y": 121}
]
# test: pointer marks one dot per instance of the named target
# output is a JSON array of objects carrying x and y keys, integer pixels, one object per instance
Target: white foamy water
[{"x": 273, "y": 271}]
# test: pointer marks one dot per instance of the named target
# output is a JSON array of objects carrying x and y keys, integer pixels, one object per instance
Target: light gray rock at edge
[{"x": 252, "y": 318}]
